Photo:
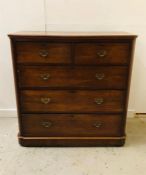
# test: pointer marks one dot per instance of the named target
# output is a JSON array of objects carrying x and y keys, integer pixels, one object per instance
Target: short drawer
[
  {"x": 35, "y": 52},
  {"x": 100, "y": 54},
  {"x": 61, "y": 101},
  {"x": 73, "y": 77},
  {"x": 74, "y": 125}
]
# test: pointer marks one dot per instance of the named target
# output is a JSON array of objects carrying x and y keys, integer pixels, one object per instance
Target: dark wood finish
[
  {"x": 72, "y": 125},
  {"x": 102, "y": 53},
  {"x": 72, "y": 88},
  {"x": 72, "y": 101},
  {"x": 31, "y": 52},
  {"x": 37, "y": 142},
  {"x": 73, "y": 77}
]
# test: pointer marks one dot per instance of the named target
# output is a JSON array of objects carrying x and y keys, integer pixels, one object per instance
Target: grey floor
[{"x": 127, "y": 160}]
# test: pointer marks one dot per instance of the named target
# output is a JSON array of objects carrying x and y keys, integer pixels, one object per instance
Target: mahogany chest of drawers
[{"x": 72, "y": 88}]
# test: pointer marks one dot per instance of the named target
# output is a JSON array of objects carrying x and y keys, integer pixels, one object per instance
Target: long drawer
[
  {"x": 37, "y": 52},
  {"x": 73, "y": 77},
  {"x": 102, "y": 53},
  {"x": 72, "y": 125},
  {"x": 72, "y": 101}
]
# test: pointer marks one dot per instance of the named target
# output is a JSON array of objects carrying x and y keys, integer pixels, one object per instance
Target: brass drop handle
[
  {"x": 46, "y": 124},
  {"x": 45, "y": 76},
  {"x": 43, "y": 53},
  {"x": 100, "y": 76},
  {"x": 97, "y": 124},
  {"x": 102, "y": 53},
  {"x": 45, "y": 100},
  {"x": 99, "y": 101}
]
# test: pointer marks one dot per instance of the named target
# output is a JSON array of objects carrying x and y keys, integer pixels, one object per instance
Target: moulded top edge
[{"x": 71, "y": 34}]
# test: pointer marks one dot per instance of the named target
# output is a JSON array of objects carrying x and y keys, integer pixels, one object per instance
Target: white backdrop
[{"x": 73, "y": 15}]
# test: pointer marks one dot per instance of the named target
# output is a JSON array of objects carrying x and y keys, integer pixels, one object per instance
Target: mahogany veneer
[{"x": 72, "y": 88}]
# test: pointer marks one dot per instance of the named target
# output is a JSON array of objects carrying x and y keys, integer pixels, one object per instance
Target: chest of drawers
[{"x": 72, "y": 88}]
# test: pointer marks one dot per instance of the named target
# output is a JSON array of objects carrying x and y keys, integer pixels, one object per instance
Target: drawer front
[
  {"x": 102, "y": 54},
  {"x": 76, "y": 125},
  {"x": 29, "y": 52},
  {"x": 77, "y": 77},
  {"x": 72, "y": 101}
]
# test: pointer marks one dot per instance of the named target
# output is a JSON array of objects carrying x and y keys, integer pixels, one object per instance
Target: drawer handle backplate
[
  {"x": 102, "y": 53},
  {"x": 99, "y": 101},
  {"x": 100, "y": 76},
  {"x": 45, "y": 100},
  {"x": 43, "y": 53},
  {"x": 97, "y": 124},
  {"x": 45, "y": 76},
  {"x": 46, "y": 124}
]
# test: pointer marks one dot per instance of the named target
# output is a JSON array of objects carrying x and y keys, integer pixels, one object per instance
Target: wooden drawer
[
  {"x": 61, "y": 101},
  {"x": 75, "y": 125},
  {"x": 75, "y": 77},
  {"x": 35, "y": 52},
  {"x": 100, "y": 54}
]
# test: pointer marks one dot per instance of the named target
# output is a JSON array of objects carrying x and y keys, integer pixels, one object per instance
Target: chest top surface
[{"x": 72, "y": 34}]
